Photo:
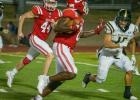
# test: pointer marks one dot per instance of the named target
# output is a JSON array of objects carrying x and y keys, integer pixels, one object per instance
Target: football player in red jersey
[
  {"x": 44, "y": 17},
  {"x": 64, "y": 42}
]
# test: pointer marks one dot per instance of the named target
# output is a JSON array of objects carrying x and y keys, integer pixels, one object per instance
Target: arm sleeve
[
  {"x": 60, "y": 14},
  {"x": 37, "y": 10},
  {"x": 108, "y": 28}
]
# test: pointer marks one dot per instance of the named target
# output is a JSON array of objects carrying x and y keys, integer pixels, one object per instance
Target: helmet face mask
[
  {"x": 50, "y": 5},
  {"x": 123, "y": 19}
]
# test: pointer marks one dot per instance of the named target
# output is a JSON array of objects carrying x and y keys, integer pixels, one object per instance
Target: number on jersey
[
  {"x": 45, "y": 26},
  {"x": 119, "y": 39}
]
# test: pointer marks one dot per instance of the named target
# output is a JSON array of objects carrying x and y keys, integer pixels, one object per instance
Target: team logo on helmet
[
  {"x": 50, "y": 4},
  {"x": 80, "y": 5}
]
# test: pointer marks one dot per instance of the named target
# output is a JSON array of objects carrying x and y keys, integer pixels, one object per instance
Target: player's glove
[
  {"x": 99, "y": 27},
  {"x": 133, "y": 59}
]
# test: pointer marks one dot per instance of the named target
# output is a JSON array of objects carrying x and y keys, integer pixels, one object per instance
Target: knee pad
[{"x": 26, "y": 61}]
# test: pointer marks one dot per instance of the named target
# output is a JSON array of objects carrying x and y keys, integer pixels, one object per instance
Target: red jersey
[
  {"x": 71, "y": 39},
  {"x": 42, "y": 21}
]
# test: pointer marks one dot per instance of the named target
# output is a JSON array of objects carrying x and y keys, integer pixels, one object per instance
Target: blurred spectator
[
  {"x": 10, "y": 35},
  {"x": 25, "y": 40},
  {"x": 1, "y": 28},
  {"x": 12, "y": 30}
]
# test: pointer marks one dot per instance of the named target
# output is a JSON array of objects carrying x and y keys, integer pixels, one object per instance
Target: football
[
  {"x": 64, "y": 25},
  {"x": 69, "y": 22}
]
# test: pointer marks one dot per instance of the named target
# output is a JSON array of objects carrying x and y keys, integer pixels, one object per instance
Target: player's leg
[
  {"x": 125, "y": 64},
  {"x": 65, "y": 69},
  {"x": 32, "y": 53},
  {"x": 67, "y": 63},
  {"x": 136, "y": 66},
  {"x": 48, "y": 89},
  {"x": 136, "y": 70},
  {"x": 1, "y": 46},
  {"x": 54, "y": 84},
  {"x": 42, "y": 47},
  {"x": 104, "y": 65},
  {"x": 43, "y": 79}
]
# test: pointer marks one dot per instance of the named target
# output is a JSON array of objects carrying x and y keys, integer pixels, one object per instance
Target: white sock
[
  {"x": 46, "y": 78},
  {"x": 15, "y": 71},
  {"x": 39, "y": 97}
]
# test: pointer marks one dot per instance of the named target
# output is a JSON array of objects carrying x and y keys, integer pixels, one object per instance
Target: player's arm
[
  {"x": 132, "y": 46},
  {"x": 108, "y": 41},
  {"x": 138, "y": 21},
  {"x": 64, "y": 25},
  {"x": 85, "y": 34},
  {"x": 96, "y": 31},
  {"x": 28, "y": 14},
  {"x": 137, "y": 28}
]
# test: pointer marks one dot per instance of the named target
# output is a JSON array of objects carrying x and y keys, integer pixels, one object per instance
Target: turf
[{"x": 24, "y": 86}]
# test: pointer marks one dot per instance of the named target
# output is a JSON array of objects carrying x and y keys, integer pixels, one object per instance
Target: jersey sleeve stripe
[
  {"x": 111, "y": 26},
  {"x": 39, "y": 10},
  {"x": 107, "y": 25},
  {"x": 60, "y": 13}
]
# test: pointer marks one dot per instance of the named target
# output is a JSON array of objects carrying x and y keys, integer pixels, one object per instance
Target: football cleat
[
  {"x": 86, "y": 80},
  {"x": 99, "y": 27},
  {"x": 133, "y": 98},
  {"x": 38, "y": 97},
  {"x": 10, "y": 77},
  {"x": 2, "y": 62},
  {"x": 136, "y": 71},
  {"x": 129, "y": 96},
  {"x": 43, "y": 82}
]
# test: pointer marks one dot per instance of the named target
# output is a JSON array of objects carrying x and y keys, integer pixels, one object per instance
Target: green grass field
[{"x": 24, "y": 86}]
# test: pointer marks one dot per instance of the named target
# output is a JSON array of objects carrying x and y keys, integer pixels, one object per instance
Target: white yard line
[
  {"x": 42, "y": 58},
  {"x": 56, "y": 91},
  {"x": 102, "y": 90},
  {"x": 88, "y": 64},
  {"x": 3, "y": 91}
]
